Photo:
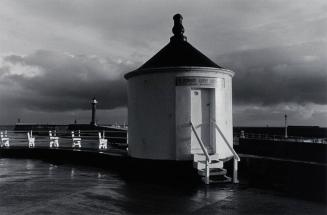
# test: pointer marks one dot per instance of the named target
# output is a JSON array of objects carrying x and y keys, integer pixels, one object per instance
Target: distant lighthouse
[{"x": 93, "y": 103}]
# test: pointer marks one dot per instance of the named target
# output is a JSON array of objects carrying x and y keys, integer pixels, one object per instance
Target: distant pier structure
[{"x": 94, "y": 109}]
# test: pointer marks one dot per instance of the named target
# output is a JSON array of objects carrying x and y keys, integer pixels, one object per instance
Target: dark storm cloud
[
  {"x": 111, "y": 19},
  {"x": 294, "y": 74},
  {"x": 271, "y": 45},
  {"x": 52, "y": 81}
]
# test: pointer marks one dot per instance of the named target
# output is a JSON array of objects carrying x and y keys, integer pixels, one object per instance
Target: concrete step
[
  {"x": 202, "y": 164},
  {"x": 202, "y": 157},
  {"x": 224, "y": 179},
  {"x": 213, "y": 171},
  {"x": 197, "y": 151}
]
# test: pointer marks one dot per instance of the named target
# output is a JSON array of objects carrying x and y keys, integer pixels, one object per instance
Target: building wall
[
  {"x": 224, "y": 117},
  {"x": 159, "y": 113},
  {"x": 151, "y": 114},
  {"x": 223, "y": 112},
  {"x": 182, "y": 125}
]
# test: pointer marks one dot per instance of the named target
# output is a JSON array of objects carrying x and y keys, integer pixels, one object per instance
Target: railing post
[
  {"x": 207, "y": 172},
  {"x": 127, "y": 140},
  {"x": 103, "y": 142},
  {"x": 242, "y": 134},
  {"x": 235, "y": 155},
  {"x": 4, "y": 139},
  {"x": 31, "y": 139},
  {"x": 235, "y": 170}
]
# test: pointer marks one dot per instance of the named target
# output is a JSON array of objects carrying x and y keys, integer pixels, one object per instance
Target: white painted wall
[
  {"x": 159, "y": 113},
  {"x": 224, "y": 117},
  {"x": 223, "y": 112},
  {"x": 151, "y": 114}
]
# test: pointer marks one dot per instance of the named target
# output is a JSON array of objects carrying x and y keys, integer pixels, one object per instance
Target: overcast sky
[{"x": 55, "y": 55}]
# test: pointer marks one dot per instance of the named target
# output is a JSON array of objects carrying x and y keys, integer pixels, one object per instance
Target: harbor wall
[{"x": 302, "y": 151}]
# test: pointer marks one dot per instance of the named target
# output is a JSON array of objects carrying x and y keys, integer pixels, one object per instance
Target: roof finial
[{"x": 178, "y": 29}]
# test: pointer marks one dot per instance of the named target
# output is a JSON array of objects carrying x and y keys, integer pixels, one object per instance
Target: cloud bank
[
  {"x": 55, "y": 55},
  {"x": 48, "y": 81},
  {"x": 294, "y": 74}
]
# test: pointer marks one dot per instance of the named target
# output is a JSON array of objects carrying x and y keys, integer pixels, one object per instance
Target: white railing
[
  {"x": 235, "y": 155},
  {"x": 205, "y": 152},
  {"x": 31, "y": 139},
  {"x": 4, "y": 139},
  {"x": 281, "y": 138},
  {"x": 204, "y": 149},
  {"x": 45, "y": 138},
  {"x": 103, "y": 142}
]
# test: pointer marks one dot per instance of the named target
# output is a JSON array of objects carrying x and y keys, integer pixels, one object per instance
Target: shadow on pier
[{"x": 296, "y": 179}]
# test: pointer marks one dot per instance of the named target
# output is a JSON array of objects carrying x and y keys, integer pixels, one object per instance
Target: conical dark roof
[{"x": 177, "y": 53}]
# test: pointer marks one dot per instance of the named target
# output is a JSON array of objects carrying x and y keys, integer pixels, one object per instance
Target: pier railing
[
  {"x": 89, "y": 139},
  {"x": 280, "y": 138}
]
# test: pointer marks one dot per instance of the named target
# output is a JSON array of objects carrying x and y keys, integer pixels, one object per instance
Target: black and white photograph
[{"x": 163, "y": 107}]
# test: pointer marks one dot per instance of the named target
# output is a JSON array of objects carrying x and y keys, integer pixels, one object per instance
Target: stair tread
[
  {"x": 214, "y": 170},
  {"x": 212, "y": 161},
  {"x": 220, "y": 181},
  {"x": 199, "y": 165},
  {"x": 217, "y": 181}
]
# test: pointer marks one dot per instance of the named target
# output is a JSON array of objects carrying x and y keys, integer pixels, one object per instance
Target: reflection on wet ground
[{"x": 36, "y": 187}]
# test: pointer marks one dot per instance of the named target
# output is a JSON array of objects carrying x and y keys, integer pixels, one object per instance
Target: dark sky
[{"x": 55, "y": 55}]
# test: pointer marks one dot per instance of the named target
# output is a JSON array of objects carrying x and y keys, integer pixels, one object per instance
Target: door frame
[{"x": 211, "y": 146}]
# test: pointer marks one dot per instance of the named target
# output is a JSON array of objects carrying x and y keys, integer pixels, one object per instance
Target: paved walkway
[{"x": 36, "y": 187}]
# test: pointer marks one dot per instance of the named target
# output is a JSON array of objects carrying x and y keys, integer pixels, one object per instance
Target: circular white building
[{"x": 177, "y": 86}]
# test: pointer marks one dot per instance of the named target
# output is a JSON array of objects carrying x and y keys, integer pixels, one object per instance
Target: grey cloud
[
  {"x": 233, "y": 24},
  {"x": 66, "y": 82},
  {"x": 59, "y": 84},
  {"x": 268, "y": 76},
  {"x": 14, "y": 58},
  {"x": 216, "y": 27}
]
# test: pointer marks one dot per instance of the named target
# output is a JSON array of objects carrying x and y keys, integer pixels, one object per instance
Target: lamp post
[{"x": 286, "y": 136}]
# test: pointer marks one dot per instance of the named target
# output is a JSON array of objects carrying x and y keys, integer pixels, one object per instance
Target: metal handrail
[
  {"x": 201, "y": 143},
  {"x": 276, "y": 137},
  {"x": 227, "y": 143},
  {"x": 66, "y": 131}
]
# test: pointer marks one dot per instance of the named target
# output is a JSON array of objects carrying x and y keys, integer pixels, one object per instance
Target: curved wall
[
  {"x": 159, "y": 112},
  {"x": 151, "y": 116}
]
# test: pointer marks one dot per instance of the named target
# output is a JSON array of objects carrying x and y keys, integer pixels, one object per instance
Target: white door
[{"x": 201, "y": 110}]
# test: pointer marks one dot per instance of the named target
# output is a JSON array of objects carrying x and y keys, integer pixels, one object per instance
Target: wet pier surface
[{"x": 37, "y": 187}]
